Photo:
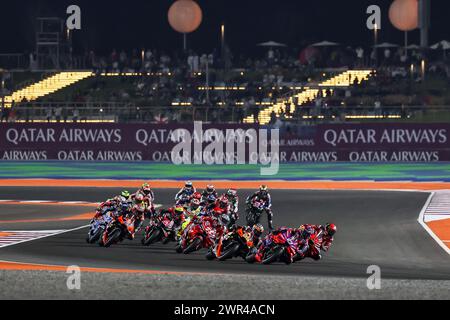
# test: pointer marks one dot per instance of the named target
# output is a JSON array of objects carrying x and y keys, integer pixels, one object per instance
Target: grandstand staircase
[
  {"x": 47, "y": 86},
  {"x": 344, "y": 79}
]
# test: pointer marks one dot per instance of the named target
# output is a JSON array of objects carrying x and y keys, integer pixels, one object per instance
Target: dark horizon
[{"x": 143, "y": 24}]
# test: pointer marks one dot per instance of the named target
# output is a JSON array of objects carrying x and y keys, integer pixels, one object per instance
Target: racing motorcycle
[
  {"x": 276, "y": 247},
  {"x": 236, "y": 243},
  {"x": 198, "y": 235},
  {"x": 161, "y": 228},
  {"x": 97, "y": 227},
  {"x": 184, "y": 201},
  {"x": 314, "y": 247},
  {"x": 254, "y": 212},
  {"x": 118, "y": 229}
]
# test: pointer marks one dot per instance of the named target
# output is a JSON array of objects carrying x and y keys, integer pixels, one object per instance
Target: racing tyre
[
  {"x": 273, "y": 255},
  {"x": 95, "y": 237},
  {"x": 166, "y": 240},
  {"x": 230, "y": 251},
  {"x": 179, "y": 249},
  {"x": 155, "y": 236},
  {"x": 210, "y": 255},
  {"x": 113, "y": 238},
  {"x": 251, "y": 258},
  {"x": 193, "y": 246}
]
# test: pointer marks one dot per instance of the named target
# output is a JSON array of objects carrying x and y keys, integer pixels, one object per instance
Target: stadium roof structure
[
  {"x": 386, "y": 45},
  {"x": 271, "y": 44},
  {"x": 444, "y": 45},
  {"x": 325, "y": 44},
  {"x": 413, "y": 47}
]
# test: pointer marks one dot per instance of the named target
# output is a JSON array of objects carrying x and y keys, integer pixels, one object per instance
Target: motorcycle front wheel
[
  {"x": 210, "y": 255},
  {"x": 193, "y": 246},
  {"x": 112, "y": 238},
  {"x": 154, "y": 236},
  {"x": 230, "y": 251}
]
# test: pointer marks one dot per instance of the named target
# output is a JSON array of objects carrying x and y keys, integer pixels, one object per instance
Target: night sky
[{"x": 131, "y": 24}]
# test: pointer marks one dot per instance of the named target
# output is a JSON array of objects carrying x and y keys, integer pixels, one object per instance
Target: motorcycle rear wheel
[{"x": 273, "y": 255}]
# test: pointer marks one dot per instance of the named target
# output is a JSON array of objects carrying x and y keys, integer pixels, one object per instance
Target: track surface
[{"x": 375, "y": 228}]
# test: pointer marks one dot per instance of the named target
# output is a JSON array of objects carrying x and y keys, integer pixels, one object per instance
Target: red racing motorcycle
[
  {"x": 198, "y": 235},
  {"x": 276, "y": 247},
  {"x": 161, "y": 228},
  {"x": 119, "y": 229}
]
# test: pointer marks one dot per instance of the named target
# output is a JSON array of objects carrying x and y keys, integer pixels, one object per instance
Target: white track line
[
  {"x": 50, "y": 202},
  {"x": 52, "y": 232},
  {"x": 425, "y": 226},
  {"x": 57, "y": 232}
]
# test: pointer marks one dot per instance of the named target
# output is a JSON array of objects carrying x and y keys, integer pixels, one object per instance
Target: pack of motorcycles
[{"x": 202, "y": 231}]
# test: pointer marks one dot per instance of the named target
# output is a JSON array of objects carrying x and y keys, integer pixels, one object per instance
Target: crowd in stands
[{"x": 230, "y": 87}]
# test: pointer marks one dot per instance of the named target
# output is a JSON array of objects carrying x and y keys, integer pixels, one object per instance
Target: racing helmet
[
  {"x": 139, "y": 197},
  {"x": 331, "y": 229},
  {"x": 146, "y": 188},
  {"x": 263, "y": 190},
  {"x": 189, "y": 185},
  {"x": 258, "y": 230},
  {"x": 232, "y": 193},
  {"x": 305, "y": 231},
  {"x": 211, "y": 199},
  {"x": 197, "y": 196},
  {"x": 125, "y": 206},
  {"x": 125, "y": 194},
  {"x": 223, "y": 202},
  {"x": 210, "y": 189},
  {"x": 195, "y": 203}
]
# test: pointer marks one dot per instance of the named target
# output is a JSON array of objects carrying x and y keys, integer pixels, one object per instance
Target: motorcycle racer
[
  {"x": 194, "y": 208},
  {"x": 314, "y": 239},
  {"x": 139, "y": 209},
  {"x": 328, "y": 236},
  {"x": 263, "y": 195},
  {"x": 291, "y": 235},
  {"x": 188, "y": 190},
  {"x": 210, "y": 190},
  {"x": 209, "y": 204},
  {"x": 113, "y": 204},
  {"x": 148, "y": 197},
  {"x": 234, "y": 203},
  {"x": 179, "y": 215}
]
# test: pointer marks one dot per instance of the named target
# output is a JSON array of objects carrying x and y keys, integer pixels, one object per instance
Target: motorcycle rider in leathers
[
  {"x": 210, "y": 190},
  {"x": 148, "y": 197},
  {"x": 113, "y": 204},
  {"x": 188, "y": 190},
  {"x": 326, "y": 234},
  {"x": 263, "y": 194},
  {"x": 234, "y": 203}
]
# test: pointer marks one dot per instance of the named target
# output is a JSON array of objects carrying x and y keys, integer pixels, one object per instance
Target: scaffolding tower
[{"x": 53, "y": 43}]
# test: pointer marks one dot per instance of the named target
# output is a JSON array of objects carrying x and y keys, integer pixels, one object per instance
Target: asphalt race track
[{"x": 374, "y": 228}]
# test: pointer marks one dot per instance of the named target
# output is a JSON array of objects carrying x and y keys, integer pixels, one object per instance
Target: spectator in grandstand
[
  {"x": 48, "y": 113},
  {"x": 58, "y": 113},
  {"x": 75, "y": 115},
  {"x": 5, "y": 111},
  {"x": 65, "y": 114}
]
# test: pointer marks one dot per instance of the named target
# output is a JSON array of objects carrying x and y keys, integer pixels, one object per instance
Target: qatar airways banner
[
  {"x": 150, "y": 142},
  {"x": 384, "y": 142}
]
